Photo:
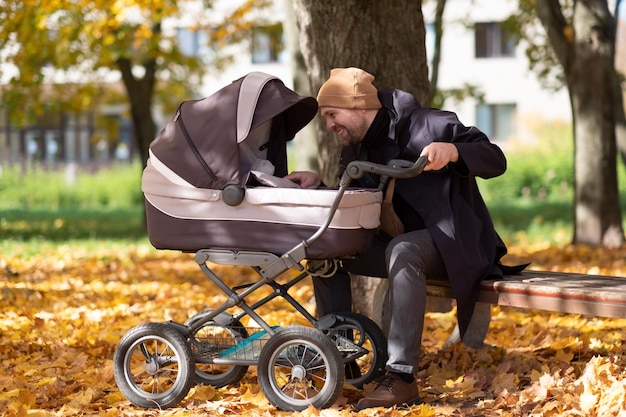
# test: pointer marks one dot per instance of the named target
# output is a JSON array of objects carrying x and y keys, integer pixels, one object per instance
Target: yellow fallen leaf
[
  {"x": 460, "y": 384},
  {"x": 115, "y": 397},
  {"x": 202, "y": 392},
  {"x": 6, "y": 396},
  {"x": 40, "y": 413},
  {"x": 588, "y": 401},
  {"x": 564, "y": 356},
  {"x": 82, "y": 398},
  {"x": 257, "y": 398},
  {"x": 423, "y": 410}
]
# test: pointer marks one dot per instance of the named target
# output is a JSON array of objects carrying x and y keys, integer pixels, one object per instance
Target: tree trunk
[
  {"x": 586, "y": 52},
  {"x": 598, "y": 213},
  {"x": 140, "y": 92},
  {"x": 386, "y": 39},
  {"x": 620, "y": 116}
]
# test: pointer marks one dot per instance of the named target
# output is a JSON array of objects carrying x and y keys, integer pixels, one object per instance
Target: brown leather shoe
[{"x": 390, "y": 390}]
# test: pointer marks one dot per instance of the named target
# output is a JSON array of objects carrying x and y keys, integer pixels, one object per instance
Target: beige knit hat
[{"x": 349, "y": 88}]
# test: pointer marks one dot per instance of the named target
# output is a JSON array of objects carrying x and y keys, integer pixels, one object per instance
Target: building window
[
  {"x": 194, "y": 43},
  {"x": 497, "y": 121},
  {"x": 267, "y": 44},
  {"x": 493, "y": 40}
]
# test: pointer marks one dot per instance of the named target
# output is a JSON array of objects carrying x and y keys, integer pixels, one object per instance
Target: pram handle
[{"x": 396, "y": 168}]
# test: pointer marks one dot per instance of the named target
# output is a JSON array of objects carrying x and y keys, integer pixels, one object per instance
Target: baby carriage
[{"x": 213, "y": 186}]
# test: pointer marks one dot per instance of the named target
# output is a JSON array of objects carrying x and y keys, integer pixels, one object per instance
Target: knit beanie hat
[{"x": 349, "y": 88}]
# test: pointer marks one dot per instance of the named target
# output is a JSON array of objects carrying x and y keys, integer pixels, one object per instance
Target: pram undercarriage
[{"x": 296, "y": 366}]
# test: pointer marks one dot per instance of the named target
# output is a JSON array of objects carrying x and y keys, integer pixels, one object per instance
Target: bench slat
[{"x": 595, "y": 295}]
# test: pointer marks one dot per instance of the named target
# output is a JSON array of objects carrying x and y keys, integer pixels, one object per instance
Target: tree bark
[
  {"x": 387, "y": 39},
  {"x": 586, "y": 51},
  {"x": 618, "y": 103},
  {"x": 140, "y": 93},
  {"x": 383, "y": 38}
]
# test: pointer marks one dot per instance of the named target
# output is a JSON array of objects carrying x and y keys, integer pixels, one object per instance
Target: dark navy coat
[{"x": 448, "y": 201}]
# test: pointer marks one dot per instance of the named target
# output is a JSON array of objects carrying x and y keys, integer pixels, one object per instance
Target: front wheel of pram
[
  {"x": 300, "y": 367},
  {"x": 365, "y": 361},
  {"x": 153, "y": 366}
]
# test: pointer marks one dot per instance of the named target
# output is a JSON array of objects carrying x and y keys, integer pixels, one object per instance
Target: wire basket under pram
[{"x": 217, "y": 214}]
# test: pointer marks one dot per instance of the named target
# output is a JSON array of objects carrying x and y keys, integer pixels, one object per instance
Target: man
[{"x": 448, "y": 233}]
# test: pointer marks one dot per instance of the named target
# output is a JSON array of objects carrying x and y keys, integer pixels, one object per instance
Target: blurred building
[{"x": 477, "y": 50}]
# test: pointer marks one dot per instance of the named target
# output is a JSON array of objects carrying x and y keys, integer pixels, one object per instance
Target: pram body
[
  {"x": 190, "y": 167},
  {"x": 269, "y": 219},
  {"x": 200, "y": 198}
]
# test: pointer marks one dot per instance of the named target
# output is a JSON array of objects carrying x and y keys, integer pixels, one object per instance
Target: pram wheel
[
  {"x": 153, "y": 366},
  {"x": 362, "y": 366},
  {"x": 298, "y": 367},
  {"x": 212, "y": 340}
]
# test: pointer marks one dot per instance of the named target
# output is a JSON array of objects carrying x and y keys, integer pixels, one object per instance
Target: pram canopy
[
  {"x": 211, "y": 144},
  {"x": 202, "y": 143}
]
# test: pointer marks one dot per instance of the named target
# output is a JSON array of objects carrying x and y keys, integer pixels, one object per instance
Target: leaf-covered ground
[{"x": 63, "y": 312}]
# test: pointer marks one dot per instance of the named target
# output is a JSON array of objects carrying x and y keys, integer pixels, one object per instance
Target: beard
[{"x": 353, "y": 131}]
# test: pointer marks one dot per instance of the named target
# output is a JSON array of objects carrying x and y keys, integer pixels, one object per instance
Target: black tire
[
  {"x": 365, "y": 333},
  {"x": 300, "y": 367},
  {"x": 153, "y": 366},
  {"x": 211, "y": 340}
]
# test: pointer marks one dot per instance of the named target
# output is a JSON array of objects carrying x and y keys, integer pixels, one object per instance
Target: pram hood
[{"x": 202, "y": 144}]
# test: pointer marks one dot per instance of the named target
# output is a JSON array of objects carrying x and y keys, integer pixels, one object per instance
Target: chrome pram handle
[
  {"x": 356, "y": 169},
  {"x": 396, "y": 168}
]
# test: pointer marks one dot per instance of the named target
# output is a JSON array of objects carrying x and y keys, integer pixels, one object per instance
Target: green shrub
[
  {"x": 533, "y": 200},
  {"x": 118, "y": 186},
  {"x": 540, "y": 174},
  {"x": 534, "y": 176},
  {"x": 539, "y": 171}
]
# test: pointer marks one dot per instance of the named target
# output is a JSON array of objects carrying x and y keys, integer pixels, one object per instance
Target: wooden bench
[{"x": 593, "y": 295}]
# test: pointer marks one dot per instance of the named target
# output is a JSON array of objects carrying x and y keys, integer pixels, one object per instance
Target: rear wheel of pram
[
  {"x": 212, "y": 340},
  {"x": 361, "y": 368},
  {"x": 300, "y": 367},
  {"x": 153, "y": 366}
]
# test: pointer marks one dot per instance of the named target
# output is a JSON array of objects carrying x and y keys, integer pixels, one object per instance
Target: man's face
[{"x": 349, "y": 124}]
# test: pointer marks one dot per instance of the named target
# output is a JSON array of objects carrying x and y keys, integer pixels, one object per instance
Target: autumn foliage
[{"x": 63, "y": 312}]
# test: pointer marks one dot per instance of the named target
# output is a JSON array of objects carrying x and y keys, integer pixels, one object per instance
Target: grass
[
  {"x": 26, "y": 233},
  {"x": 62, "y": 224},
  {"x": 530, "y": 222},
  {"x": 63, "y": 188},
  {"x": 48, "y": 206}
]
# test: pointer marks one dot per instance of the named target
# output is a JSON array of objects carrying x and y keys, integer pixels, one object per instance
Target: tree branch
[{"x": 560, "y": 33}]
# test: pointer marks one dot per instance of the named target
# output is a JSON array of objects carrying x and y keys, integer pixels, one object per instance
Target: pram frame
[
  {"x": 269, "y": 266},
  {"x": 275, "y": 265}
]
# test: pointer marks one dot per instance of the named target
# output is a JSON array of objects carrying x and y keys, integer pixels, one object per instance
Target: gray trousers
[{"x": 409, "y": 259}]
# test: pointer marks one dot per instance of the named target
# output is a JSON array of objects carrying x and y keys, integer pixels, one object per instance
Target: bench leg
[{"x": 477, "y": 329}]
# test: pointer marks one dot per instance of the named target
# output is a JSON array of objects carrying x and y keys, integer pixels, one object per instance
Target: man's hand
[
  {"x": 440, "y": 154},
  {"x": 306, "y": 179}
]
